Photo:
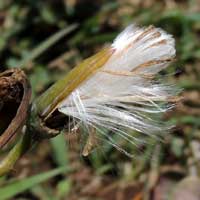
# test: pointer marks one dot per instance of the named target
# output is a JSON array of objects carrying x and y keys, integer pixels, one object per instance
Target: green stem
[
  {"x": 18, "y": 150},
  {"x": 24, "y": 144}
]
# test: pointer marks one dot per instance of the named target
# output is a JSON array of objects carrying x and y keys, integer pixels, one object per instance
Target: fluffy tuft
[{"x": 123, "y": 96}]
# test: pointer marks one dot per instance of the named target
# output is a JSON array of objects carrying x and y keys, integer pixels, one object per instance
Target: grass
[{"x": 35, "y": 33}]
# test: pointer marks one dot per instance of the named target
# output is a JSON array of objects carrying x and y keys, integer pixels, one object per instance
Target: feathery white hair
[{"x": 122, "y": 95}]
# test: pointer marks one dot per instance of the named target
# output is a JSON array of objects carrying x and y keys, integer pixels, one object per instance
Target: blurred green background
[{"x": 38, "y": 37}]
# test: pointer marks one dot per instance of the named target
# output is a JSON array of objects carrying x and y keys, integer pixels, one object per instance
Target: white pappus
[{"x": 123, "y": 96}]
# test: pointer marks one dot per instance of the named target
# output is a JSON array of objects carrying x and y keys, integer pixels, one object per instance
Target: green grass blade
[
  {"x": 17, "y": 187},
  {"x": 46, "y": 44},
  {"x": 59, "y": 150}
]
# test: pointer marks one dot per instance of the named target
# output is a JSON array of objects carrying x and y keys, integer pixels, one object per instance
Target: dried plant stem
[{"x": 34, "y": 123}]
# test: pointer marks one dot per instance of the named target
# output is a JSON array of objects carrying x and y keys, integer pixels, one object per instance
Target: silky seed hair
[{"x": 123, "y": 96}]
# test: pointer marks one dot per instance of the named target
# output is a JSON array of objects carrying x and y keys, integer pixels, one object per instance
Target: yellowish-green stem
[
  {"x": 49, "y": 101},
  {"x": 7, "y": 164}
]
